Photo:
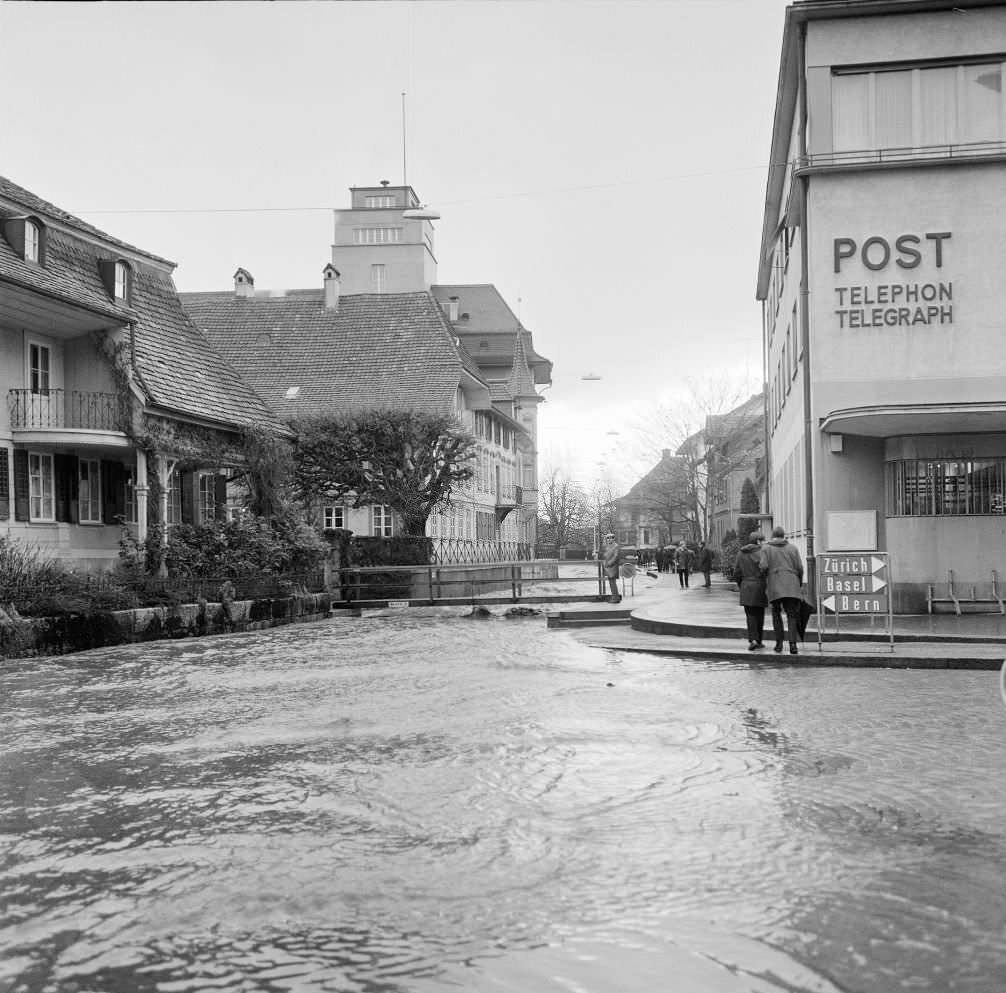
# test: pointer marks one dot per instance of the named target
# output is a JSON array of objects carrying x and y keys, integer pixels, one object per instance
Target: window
[
  {"x": 40, "y": 487},
  {"x": 131, "y": 511},
  {"x": 89, "y": 491},
  {"x": 175, "y": 497},
  {"x": 377, "y": 278},
  {"x": 334, "y": 517},
  {"x": 121, "y": 281},
  {"x": 937, "y": 488},
  {"x": 382, "y": 526},
  {"x": 38, "y": 368},
  {"x": 377, "y": 236},
  {"x": 908, "y": 108},
  {"x": 207, "y": 497},
  {"x": 32, "y": 241},
  {"x": 387, "y": 200}
]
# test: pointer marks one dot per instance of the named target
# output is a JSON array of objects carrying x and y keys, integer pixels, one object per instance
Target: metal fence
[
  {"x": 74, "y": 409},
  {"x": 475, "y": 551}
]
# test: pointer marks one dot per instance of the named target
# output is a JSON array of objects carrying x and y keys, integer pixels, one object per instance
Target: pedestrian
[
  {"x": 612, "y": 560},
  {"x": 704, "y": 563},
  {"x": 783, "y": 569},
  {"x": 683, "y": 563},
  {"x": 751, "y": 583}
]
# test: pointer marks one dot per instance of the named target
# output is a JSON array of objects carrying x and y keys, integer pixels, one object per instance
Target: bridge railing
[{"x": 513, "y": 581}]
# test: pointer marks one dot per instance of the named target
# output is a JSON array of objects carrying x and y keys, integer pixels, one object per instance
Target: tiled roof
[
  {"x": 490, "y": 327},
  {"x": 33, "y": 204},
  {"x": 179, "y": 370},
  {"x": 376, "y": 347},
  {"x": 70, "y": 274},
  {"x": 521, "y": 382}
]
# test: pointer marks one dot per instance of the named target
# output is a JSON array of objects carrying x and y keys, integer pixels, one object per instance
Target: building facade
[
  {"x": 881, "y": 290},
  {"x": 108, "y": 388},
  {"x": 384, "y": 243},
  {"x": 307, "y": 350}
]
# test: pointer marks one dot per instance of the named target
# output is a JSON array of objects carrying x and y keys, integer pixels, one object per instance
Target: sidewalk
[{"x": 660, "y": 617}]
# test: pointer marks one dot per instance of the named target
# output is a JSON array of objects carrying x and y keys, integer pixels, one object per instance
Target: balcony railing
[{"x": 66, "y": 409}]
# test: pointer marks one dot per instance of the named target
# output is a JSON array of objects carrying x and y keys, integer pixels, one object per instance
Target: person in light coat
[{"x": 783, "y": 570}]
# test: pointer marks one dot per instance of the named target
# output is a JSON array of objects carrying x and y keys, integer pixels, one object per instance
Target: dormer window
[
  {"x": 117, "y": 275},
  {"x": 32, "y": 242},
  {"x": 121, "y": 281}
]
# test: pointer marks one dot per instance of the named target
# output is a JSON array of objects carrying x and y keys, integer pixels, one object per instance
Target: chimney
[
  {"x": 244, "y": 284},
  {"x": 452, "y": 309},
  {"x": 333, "y": 287}
]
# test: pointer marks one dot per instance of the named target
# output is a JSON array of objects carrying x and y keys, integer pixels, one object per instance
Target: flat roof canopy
[{"x": 890, "y": 421}]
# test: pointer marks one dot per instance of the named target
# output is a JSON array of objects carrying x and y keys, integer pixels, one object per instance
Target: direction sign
[
  {"x": 859, "y": 564},
  {"x": 852, "y": 584},
  {"x": 854, "y": 604}
]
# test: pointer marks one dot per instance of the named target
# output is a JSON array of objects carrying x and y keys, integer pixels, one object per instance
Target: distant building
[
  {"x": 735, "y": 449},
  {"x": 310, "y": 349},
  {"x": 881, "y": 287},
  {"x": 111, "y": 393},
  {"x": 384, "y": 243},
  {"x": 656, "y": 511}
]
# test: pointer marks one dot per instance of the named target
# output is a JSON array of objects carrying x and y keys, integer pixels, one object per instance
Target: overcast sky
[{"x": 603, "y": 164}]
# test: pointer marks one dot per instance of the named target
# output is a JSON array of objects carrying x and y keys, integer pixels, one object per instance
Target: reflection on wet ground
[{"x": 422, "y": 804}]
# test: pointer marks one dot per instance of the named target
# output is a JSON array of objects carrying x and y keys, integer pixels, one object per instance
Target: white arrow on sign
[
  {"x": 876, "y": 563},
  {"x": 878, "y": 583}
]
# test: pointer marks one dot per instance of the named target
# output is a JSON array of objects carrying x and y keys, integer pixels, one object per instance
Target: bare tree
[
  {"x": 701, "y": 457},
  {"x": 562, "y": 507}
]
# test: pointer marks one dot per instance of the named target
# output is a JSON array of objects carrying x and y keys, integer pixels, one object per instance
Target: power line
[{"x": 445, "y": 203}]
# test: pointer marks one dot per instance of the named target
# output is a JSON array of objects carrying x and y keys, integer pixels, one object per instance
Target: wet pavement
[
  {"x": 421, "y": 802},
  {"x": 657, "y": 615}
]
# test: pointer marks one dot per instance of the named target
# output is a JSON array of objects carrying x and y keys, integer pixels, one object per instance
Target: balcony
[
  {"x": 506, "y": 503},
  {"x": 68, "y": 416}
]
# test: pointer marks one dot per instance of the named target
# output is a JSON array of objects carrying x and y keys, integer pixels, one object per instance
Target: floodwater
[{"x": 409, "y": 803}]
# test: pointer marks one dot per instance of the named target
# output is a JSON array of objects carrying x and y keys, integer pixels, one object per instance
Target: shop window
[{"x": 946, "y": 488}]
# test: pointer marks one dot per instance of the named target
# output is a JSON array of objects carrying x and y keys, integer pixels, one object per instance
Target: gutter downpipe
[{"x": 808, "y": 422}]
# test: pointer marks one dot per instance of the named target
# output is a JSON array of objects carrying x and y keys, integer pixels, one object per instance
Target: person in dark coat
[
  {"x": 704, "y": 563},
  {"x": 612, "y": 561},
  {"x": 751, "y": 583},
  {"x": 683, "y": 563},
  {"x": 783, "y": 569}
]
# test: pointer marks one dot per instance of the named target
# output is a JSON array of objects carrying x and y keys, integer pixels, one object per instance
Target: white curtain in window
[
  {"x": 894, "y": 109},
  {"x": 981, "y": 102},
  {"x": 850, "y": 102},
  {"x": 939, "y": 105}
]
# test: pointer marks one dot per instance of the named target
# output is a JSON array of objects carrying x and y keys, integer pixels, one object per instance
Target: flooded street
[{"x": 429, "y": 804}]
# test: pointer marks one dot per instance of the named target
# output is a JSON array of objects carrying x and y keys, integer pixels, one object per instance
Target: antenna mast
[{"x": 405, "y": 181}]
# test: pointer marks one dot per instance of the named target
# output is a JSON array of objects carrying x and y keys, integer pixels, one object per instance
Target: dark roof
[
  {"x": 374, "y": 347},
  {"x": 36, "y": 205},
  {"x": 179, "y": 371},
  {"x": 70, "y": 274},
  {"x": 490, "y": 327},
  {"x": 179, "y": 368}
]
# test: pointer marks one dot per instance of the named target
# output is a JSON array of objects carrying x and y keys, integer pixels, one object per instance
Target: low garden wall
[{"x": 21, "y": 636}]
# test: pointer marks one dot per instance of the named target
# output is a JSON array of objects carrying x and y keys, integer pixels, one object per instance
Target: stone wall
[{"x": 25, "y": 637}]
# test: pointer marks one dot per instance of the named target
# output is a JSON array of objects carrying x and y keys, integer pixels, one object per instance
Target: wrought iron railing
[
  {"x": 72, "y": 409},
  {"x": 460, "y": 551}
]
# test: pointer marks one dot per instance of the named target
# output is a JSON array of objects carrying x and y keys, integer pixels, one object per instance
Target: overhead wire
[{"x": 445, "y": 203}]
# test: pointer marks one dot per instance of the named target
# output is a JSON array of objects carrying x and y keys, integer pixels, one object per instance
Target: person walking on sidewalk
[
  {"x": 683, "y": 563},
  {"x": 612, "y": 560},
  {"x": 751, "y": 583},
  {"x": 783, "y": 569},
  {"x": 704, "y": 563}
]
